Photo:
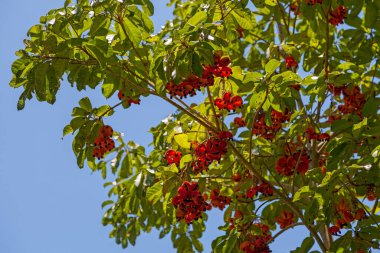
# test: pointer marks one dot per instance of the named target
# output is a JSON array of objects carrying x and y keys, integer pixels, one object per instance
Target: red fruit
[
  {"x": 290, "y": 62},
  {"x": 224, "y": 62},
  {"x": 120, "y": 95},
  {"x": 360, "y": 214},
  {"x": 236, "y": 178},
  {"x": 338, "y": 15},
  {"x": 334, "y": 230},
  {"x": 173, "y": 156},
  {"x": 225, "y": 135},
  {"x": 239, "y": 122},
  {"x": 225, "y": 72},
  {"x": 237, "y": 101},
  {"x": 106, "y": 131},
  {"x": 219, "y": 103},
  {"x": 285, "y": 219}
]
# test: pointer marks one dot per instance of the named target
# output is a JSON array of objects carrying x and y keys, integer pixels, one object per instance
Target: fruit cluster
[
  {"x": 211, "y": 150},
  {"x": 371, "y": 192},
  {"x": 186, "y": 88},
  {"x": 257, "y": 243},
  {"x": 346, "y": 216},
  {"x": 287, "y": 165},
  {"x": 103, "y": 143},
  {"x": 128, "y": 100},
  {"x": 189, "y": 202},
  {"x": 221, "y": 66},
  {"x": 260, "y": 128},
  {"x": 290, "y": 62},
  {"x": 338, "y": 15},
  {"x": 228, "y": 102},
  {"x": 312, "y": 135},
  {"x": 239, "y": 122},
  {"x": 285, "y": 219},
  {"x": 264, "y": 188},
  {"x": 353, "y": 100},
  {"x": 173, "y": 156},
  {"x": 191, "y": 84},
  {"x": 218, "y": 200}
]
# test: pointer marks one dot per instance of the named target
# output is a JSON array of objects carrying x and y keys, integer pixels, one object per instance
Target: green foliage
[{"x": 299, "y": 77}]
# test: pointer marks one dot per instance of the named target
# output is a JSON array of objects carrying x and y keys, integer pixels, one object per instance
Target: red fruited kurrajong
[
  {"x": 218, "y": 200},
  {"x": 173, "y": 157},
  {"x": 239, "y": 122},
  {"x": 103, "y": 142},
  {"x": 229, "y": 102},
  {"x": 338, "y": 15},
  {"x": 290, "y": 62},
  {"x": 285, "y": 219},
  {"x": 189, "y": 202}
]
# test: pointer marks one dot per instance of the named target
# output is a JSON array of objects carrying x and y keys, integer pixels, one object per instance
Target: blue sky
[{"x": 48, "y": 204}]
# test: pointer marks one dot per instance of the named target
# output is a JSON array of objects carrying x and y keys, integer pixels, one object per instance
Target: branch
[{"x": 283, "y": 230}]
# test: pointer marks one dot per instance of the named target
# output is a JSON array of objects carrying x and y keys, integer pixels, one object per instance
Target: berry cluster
[
  {"x": 285, "y": 219},
  {"x": 103, "y": 143},
  {"x": 186, "y": 88},
  {"x": 212, "y": 150},
  {"x": 290, "y": 62},
  {"x": 173, "y": 156},
  {"x": 190, "y": 85},
  {"x": 221, "y": 66},
  {"x": 260, "y": 128},
  {"x": 345, "y": 216},
  {"x": 257, "y": 243},
  {"x": 295, "y": 7},
  {"x": 287, "y": 165},
  {"x": 264, "y": 188},
  {"x": 353, "y": 100},
  {"x": 218, "y": 200},
  {"x": 189, "y": 202},
  {"x": 239, "y": 122},
  {"x": 337, "y": 15},
  {"x": 312, "y": 135},
  {"x": 129, "y": 100},
  {"x": 228, "y": 102},
  {"x": 371, "y": 192}
]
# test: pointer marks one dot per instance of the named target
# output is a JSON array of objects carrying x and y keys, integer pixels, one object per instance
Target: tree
[{"x": 285, "y": 134}]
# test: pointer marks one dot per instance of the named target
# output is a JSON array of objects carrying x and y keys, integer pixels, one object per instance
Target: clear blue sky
[{"x": 47, "y": 204}]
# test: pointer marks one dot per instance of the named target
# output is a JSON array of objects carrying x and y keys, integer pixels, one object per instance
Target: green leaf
[
  {"x": 242, "y": 21},
  {"x": 185, "y": 159},
  {"x": 370, "y": 14},
  {"x": 96, "y": 53},
  {"x": 85, "y": 103},
  {"x": 357, "y": 127},
  {"x": 106, "y": 203},
  {"x": 100, "y": 25},
  {"x": 197, "y": 18},
  {"x": 154, "y": 193},
  {"x": 104, "y": 110},
  {"x": 125, "y": 169},
  {"x": 182, "y": 140},
  {"x": 271, "y": 66},
  {"x": 132, "y": 32},
  {"x": 108, "y": 89},
  {"x": 271, "y": 2},
  {"x": 67, "y": 130},
  {"x": 301, "y": 192}
]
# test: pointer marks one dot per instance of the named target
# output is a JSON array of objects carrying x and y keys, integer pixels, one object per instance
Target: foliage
[{"x": 287, "y": 133}]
